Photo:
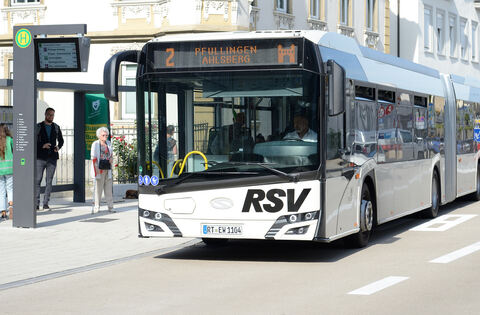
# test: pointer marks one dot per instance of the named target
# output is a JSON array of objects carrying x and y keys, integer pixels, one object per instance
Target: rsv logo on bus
[{"x": 274, "y": 202}]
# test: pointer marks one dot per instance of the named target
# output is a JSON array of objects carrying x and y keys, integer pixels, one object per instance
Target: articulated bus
[{"x": 294, "y": 135}]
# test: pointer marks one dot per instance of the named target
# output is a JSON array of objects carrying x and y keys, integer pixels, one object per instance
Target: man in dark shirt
[{"x": 48, "y": 133}]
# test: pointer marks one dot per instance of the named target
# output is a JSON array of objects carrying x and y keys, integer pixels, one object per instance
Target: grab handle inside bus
[
  {"x": 181, "y": 163},
  {"x": 336, "y": 88},
  {"x": 110, "y": 72}
]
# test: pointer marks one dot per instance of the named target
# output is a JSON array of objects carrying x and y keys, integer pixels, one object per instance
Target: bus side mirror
[
  {"x": 110, "y": 72},
  {"x": 336, "y": 88}
]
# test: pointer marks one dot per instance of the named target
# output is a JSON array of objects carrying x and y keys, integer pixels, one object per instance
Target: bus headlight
[
  {"x": 158, "y": 216},
  {"x": 146, "y": 213},
  {"x": 293, "y": 218}
]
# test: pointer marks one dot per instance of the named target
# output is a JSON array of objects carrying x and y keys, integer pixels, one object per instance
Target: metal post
[{"x": 79, "y": 147}]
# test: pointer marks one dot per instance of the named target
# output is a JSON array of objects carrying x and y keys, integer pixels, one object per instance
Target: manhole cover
[{"x": 99, "y": 220}]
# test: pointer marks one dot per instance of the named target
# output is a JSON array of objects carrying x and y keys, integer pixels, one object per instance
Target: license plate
[{"x": 222, "y": 229}]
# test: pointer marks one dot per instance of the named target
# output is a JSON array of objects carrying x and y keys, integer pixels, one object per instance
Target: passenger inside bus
[
  {"x": 302, "y": 131},
  {"x": 231, "y": 138}
]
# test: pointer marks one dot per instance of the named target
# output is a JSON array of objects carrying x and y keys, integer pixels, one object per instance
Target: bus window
[
  {"x": 465, "y": 125},
  {"x": 233, "y": 117},
  {"x": 387, "y": 142},
  {"x": 420, "y": 133},
  {"x": 365, "y": 129},
  {"x": 386, "y": 96},
  {"x": 404, "y": 134}
]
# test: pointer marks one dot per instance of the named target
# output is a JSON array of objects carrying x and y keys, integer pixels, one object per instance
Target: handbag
[{"x": 104, "y": 165}]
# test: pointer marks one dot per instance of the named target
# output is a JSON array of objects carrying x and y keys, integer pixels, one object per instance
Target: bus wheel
[
  {"x": 432, "y": 212},
  {"x": 367, "y": 211},
  {"x": 215, "y": 241},
  {"x": 476, "y": 195}
]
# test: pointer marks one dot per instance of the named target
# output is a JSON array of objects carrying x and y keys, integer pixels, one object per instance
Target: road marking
[
  {"x": 378, "y": 285},
  {"x": 445, "y": 259},
  {"x": 443, "y": 223}
]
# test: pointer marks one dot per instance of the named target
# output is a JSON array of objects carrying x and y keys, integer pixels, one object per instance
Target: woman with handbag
[
  {"x": 101, "y": 154},
  {"x": 6, "y": 172}
]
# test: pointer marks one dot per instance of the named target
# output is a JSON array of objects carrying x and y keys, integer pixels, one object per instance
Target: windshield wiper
[
  {"x": 291, "y": 177},
  {"x": 161, "y": 189}
]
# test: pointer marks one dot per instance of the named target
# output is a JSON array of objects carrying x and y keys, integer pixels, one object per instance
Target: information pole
[{"x": 24, "y": 115}]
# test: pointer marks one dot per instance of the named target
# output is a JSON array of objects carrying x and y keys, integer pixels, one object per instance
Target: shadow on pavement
[
  {"x": 81, "y": 217},
  {"x": 299, "y": 251}
]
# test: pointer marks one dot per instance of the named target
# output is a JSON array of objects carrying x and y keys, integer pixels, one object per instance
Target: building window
[
  {"x": 282, "y": 6},
  {"x": 129, "y": 107},
  {"x": 427, "y": 28},
  {"x": 23, "y": 2},
  {"x": 452, "y": 34},
  {"x": 315, "y": 9},
  {"x": 474, "y": 41},
  {"x": 440, "y": 32},
  {"x": 371, "y": 15},
  {"x": 345, "y": 12},
  {"x": 463, "y": 38}
]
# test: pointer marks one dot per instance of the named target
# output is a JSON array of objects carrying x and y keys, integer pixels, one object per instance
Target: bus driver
[{"x": 302, "y": 131}]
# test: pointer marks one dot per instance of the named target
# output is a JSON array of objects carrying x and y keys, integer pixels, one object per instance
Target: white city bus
[{"x": 295, "y": 135}]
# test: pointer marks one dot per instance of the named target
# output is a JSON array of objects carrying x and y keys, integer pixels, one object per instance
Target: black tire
[
  {"x": 432, "y": 212},
  {"x": 215, "y": 242},
  {"x": 476, "y": 195},
  {"x": 367, "y": 215}
]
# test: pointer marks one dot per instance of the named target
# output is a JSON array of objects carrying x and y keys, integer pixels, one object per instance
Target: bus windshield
[{"x": 235, "y": 122}]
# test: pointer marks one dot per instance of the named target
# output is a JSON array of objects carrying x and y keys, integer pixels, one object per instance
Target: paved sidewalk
[{"x": 70, "y": 239}]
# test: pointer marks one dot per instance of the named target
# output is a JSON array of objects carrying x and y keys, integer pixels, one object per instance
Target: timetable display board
[
  {"x": 229, "y": 54},
  {"x": 57, "y": 55}
]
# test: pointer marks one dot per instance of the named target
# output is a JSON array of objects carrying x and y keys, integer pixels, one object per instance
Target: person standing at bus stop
[
  {"x": 49, "y": 142},
  {"x": 101, "y": 154},
  {"x": 6, "y": 172}
]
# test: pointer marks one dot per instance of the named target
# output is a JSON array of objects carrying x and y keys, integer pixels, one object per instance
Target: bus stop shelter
[{"x": 25, "y": 87}]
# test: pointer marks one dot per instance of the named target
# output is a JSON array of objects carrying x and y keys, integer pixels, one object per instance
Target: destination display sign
[
  {"x": 238, "y": 53},
  {"x": 59, "y": 54}
]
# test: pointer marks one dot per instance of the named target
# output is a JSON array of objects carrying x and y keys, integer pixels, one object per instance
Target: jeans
[
  {"x": 50, "y": 165},
  {"x": 6, "y": 191}
]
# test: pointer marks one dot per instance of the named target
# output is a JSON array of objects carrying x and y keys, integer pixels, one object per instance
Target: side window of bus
[
  {"x": 387, "y": 135},
  {"x": 420, "y": 132},
  {"x": 404, "y": 134},
  {"x": 436, "y": 117},
  {"x": 365, "y": 122},
  {"x": 386, "y": 122},
  {"x": 420, "y": 127},
  {"x": 459, "y": 131},
  {"x": 466, "y": 143},
  {"x": 335, "y": 136}
]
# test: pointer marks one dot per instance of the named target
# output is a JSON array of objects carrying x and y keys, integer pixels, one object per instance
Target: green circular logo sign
[{"x": 23, "y": 38}]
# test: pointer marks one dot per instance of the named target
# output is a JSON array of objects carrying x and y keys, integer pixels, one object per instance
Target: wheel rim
[{"x": 367, "y": 215}]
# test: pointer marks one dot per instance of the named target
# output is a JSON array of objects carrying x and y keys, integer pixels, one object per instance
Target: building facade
[
  {"x": 440, "y": 34},
  {"x": 118, "y": 25}
]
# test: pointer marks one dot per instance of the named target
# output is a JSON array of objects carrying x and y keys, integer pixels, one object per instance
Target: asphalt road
[{"x": 412, "y": 266}]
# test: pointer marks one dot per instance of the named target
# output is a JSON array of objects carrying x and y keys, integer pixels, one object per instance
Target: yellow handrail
[
  {"x": 184, "y": 160},
  {"x": 158, "y": 166}
]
